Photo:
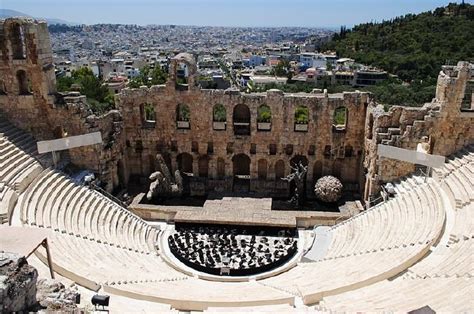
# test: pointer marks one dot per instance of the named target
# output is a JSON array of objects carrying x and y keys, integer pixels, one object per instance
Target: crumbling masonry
[{"x": 235, "y": 150}]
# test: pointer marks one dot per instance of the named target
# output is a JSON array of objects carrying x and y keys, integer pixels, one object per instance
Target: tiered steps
[
  {"x": 56, "y": 202},
  {"x": 18, "y": 167},
  {"x": 196, "y": 294},
  {"x": 93, "y": 264},
  {"x": 372, "y": 246},
  {"x": 444, "y": 279}
]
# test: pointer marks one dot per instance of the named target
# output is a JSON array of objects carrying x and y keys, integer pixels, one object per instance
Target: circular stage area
[{"x": 232, "y": 250}]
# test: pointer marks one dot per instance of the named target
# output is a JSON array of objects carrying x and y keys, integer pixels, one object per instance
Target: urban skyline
[{"x": 255, "y": 13}]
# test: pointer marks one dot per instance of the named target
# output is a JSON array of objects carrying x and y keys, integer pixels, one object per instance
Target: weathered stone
[
  {"x": 53, "y": 295},
  {"x": 17, "y": 283},
  {"x": 347, "y": 151}
]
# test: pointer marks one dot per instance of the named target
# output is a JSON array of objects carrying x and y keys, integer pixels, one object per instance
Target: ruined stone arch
[
  {"x": 241, "y": 120},
  {"x": 241, "y": 165},
  {"x": 220, "y": 168},
  {"x": 348, "y": 151},
  {"x": 185, "y": 162},
  {"x": 262, "y": 169},
  {"x": 3, "y": 90},
  {"x": 279, "y": 170},
  {"x": 340, "y": 118},
  {"x": 148, "y": 114},
  {"x": 264, "y": 114},
  {"x": 183, "y": 113},
  {"x": 183, "y": 71},
  {"x": 317, "y": 170},
  {"x": 337, "y": 168},
  {"x": 23, "y": 83},
  {"x": 370, "y": 126},
  {"x": 203, "y": 166},
  {"x": 183, "y": 116},
  {"x": 301, "y": 118},
  {"x": 18, "y": 41},
  {"x": 219, "y": 113}
]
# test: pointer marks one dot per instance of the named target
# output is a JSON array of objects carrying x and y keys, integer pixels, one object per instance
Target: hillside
[
  {"x": 412, "y": 46},
  {"x": 6, "y": 13}
]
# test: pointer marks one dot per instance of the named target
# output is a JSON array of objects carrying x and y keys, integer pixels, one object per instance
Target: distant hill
[
  {"x": 5, "y": 13},
  {"x": 412, "y": 46}
]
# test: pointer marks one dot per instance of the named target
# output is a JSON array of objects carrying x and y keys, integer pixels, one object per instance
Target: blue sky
[{"x": 332, "y": 13}]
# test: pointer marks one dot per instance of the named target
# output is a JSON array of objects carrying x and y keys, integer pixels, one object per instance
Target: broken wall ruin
[{"x": 178, "y": 120}]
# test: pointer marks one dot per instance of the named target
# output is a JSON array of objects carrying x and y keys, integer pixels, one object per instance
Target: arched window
[
  {"x": 185, "y": 162},
  {"x": 340, "y": 119},
  {"x": 301, "y": 119},
  {"x": 348, "y": 151},
  {"x": 148, "y": 115},
  {"x": 18, "y": 41},
  {"x": 182, "y": 76},
  {"x": 264, "y": 118},
  {"x": 3, "y": 90},
  {"x": 317, "y": 170},
  {"x": 219, "y": 117},
  {"x": 23, "y": 83},
  {"x": 220, "y": 168},
  {"x": 279, "y": 170},
  {"x": 241, "y": 119},
  {"x": 241, "y": 165},
  {"x": 371, "y": 126},
  {"x": 262, "y": 169},
  {"x": 183, "y": 116},
  {"x": 203, "y": 166},
  {"x": 337, "y": 168}
]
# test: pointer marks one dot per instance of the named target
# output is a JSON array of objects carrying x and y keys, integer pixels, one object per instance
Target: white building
[{"x": 313, "y": 60}]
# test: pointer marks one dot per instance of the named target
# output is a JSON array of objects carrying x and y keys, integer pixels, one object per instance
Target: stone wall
[
  {"x": 147, "y": 122},
  {"x": 327, "y": 150},
  {"x": 447, "y": 126},
  {"x": 17, "y": 283},
  {"x": 29, "y": 100}
]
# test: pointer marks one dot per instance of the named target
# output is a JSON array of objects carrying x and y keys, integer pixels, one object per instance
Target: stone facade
[
  {"x": 235, "y": 151},
  {"x": 325, "y": 149},
  {"x": 28, "y": 98},
  {"x": 447, "y": 125}
]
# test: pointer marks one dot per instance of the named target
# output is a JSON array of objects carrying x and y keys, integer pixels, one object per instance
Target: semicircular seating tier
[
  {"x": 444, "y": 279},
  {"x": 54, "y": 201},
  {"x": 372, "y": 246},
  {"x": 18, "y": 166},
  {"x": 99, "y": 244}
]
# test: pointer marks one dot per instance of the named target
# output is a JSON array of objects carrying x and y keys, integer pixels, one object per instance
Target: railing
[{"x": 107, "y": 194}]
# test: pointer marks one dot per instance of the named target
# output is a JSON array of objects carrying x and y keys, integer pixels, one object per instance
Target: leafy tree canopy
[
  {"x": 149, "y": 76},
  {"x": 414, "y": 47},
  {"x": 99, "y": 98}
]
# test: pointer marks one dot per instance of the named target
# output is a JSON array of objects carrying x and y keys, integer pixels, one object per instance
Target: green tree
[
  {"x": 149, "y": 76},
  {"x": 100, "y": 99},
  {"x": 282, "y": 69}
]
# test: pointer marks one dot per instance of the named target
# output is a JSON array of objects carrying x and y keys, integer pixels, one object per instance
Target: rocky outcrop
[
  {"x": 21, "y": 290},
  {"x": 17, "y": 283},
  {"x": 53, "y": 295}
]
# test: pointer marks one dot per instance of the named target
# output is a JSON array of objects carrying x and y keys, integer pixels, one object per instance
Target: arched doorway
[
  {"x": 220, "y": 168},
  {"x": 279, "y": 170},
  {"x": 262, "y": 169},
  {"x": 241, "y": 120},
  {"x": 317, "y": 170},
  {"x": 185, "y": 163},
  {"x": 203, "y": 166},
  {"x": 241, "y": 171}
]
